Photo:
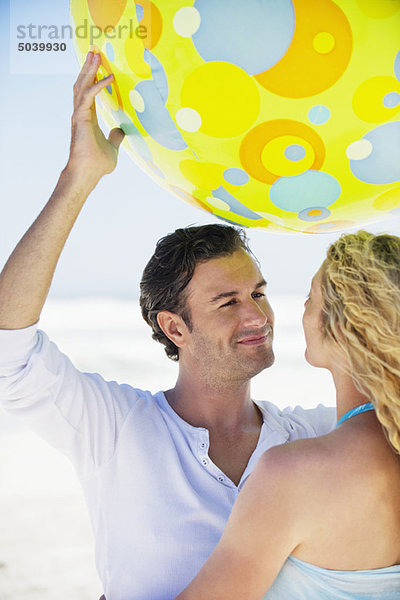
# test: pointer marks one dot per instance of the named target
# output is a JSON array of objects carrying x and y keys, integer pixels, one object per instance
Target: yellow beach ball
[{"x": 280, "y": 114}]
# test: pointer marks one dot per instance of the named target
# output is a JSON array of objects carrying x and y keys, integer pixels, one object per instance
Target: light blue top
[{"x": 299, "y": 580}]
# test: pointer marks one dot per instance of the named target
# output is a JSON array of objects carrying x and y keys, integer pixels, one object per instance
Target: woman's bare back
[{"x": 352, "y": 498}]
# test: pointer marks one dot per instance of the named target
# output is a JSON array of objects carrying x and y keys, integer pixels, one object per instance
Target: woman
[{"x": 320, "y": 518}]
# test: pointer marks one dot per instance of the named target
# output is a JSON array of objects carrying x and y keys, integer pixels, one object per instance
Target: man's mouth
[{"x": 255, "y": 340}]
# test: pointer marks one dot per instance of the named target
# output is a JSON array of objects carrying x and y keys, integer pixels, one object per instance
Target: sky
[{"x": 128, "y": 212}]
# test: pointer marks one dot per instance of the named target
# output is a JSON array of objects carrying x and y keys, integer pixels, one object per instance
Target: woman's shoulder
[
  {"x": 333, "y": 470},
  {"x": 318, "y": 472},
  {"x": 300, "y": 469},
  {"x": 327, "y": 489},
  {"x": 300, "y": 457},
  {"x": 340, "y": 447}
]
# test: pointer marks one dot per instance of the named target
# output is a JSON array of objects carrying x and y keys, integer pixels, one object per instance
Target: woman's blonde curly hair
[{"x": 361, "y": 314}]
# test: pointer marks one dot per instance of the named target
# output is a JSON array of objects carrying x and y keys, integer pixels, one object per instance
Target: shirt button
[
  {"x": 220, "y": 478},
  {"x": 203, "y": 445},
  {"x": 205, "y": 462}
]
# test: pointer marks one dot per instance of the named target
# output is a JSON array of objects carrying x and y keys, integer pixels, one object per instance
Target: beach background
[{"x": 46, "y": 545}]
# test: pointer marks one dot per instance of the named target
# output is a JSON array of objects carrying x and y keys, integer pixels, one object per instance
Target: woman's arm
[{"x": 264, "y": 528}]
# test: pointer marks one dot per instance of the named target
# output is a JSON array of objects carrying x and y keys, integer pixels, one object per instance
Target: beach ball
[{"x": 279, "y": 114}]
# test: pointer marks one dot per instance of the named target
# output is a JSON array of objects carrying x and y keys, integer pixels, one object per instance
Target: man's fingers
[
  {"x": 90, "y": 69},
  {"x": 87, "y": 97},
  {"x": 116, "y": 136},
  {"x": 84, "y": 70},
  {"x": 87, "y": 75}
]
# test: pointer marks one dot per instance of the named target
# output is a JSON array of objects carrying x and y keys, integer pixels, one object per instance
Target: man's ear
[{"x": 173, "y": 326}]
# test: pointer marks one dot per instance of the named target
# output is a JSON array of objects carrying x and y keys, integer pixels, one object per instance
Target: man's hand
[
  {"x": 26, "y": 277},
  {"x": 91, "y": 154}
]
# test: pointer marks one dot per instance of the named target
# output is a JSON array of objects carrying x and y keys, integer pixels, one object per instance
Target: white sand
[{"x": 46, "y": 544}]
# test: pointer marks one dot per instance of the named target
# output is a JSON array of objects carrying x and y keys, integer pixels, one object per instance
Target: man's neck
[{"x": 224, "y": 407}]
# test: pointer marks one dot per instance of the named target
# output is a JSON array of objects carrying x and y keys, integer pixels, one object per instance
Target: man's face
[{"x": 231, "y": 338}]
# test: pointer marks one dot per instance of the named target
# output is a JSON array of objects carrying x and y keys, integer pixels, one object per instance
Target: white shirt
[{"x": 157, "y": 503}]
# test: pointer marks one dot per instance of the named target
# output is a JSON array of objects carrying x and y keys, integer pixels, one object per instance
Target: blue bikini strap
[{"x": 355, "y": 411}]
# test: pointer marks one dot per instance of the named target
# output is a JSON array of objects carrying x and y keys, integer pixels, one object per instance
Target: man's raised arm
[{"x": 27, "y": 275}]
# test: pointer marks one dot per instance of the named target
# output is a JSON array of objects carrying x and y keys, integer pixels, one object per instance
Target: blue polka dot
[
  {"x": 322, "y": 213},
  {"x": 382, "y": 165},
  {"x": 301, "y": 192},
  {"x": 109, "y": 89},
  {"x": 319, "y": 114},
  {"x": 295, "y": 152},
  {"x": 397, "y": 66},
  {"x": 158, "y": 74},
  {"x": 234, "y": 204},
  {"x": 155, "y": 118},
  {"x": 110, "y": 52},
  {"x": 391, "y": 100},
  {"x": 139, "y": 12},
  {"x": 258, "y": 35},
  {"x": 236, "y": 176}
]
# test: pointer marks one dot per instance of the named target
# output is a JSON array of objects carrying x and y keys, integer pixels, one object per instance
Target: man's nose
[{"x": 254, "y": 315}]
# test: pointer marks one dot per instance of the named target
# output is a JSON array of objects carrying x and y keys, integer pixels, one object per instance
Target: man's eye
[
  {"x": 228, "y": 303},
  {"x": 258, "y": 295}
]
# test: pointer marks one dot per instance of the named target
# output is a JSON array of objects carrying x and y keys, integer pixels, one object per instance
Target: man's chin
[
  {"x": 269, "y": 360},
  {"x": 258, "y": 365}
]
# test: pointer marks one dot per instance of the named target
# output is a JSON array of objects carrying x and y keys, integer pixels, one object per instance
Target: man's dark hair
[{"x": 170, "y": 269}]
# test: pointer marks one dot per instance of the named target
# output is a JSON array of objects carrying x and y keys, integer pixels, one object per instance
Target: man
[{"x": 160, "y": 472}]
